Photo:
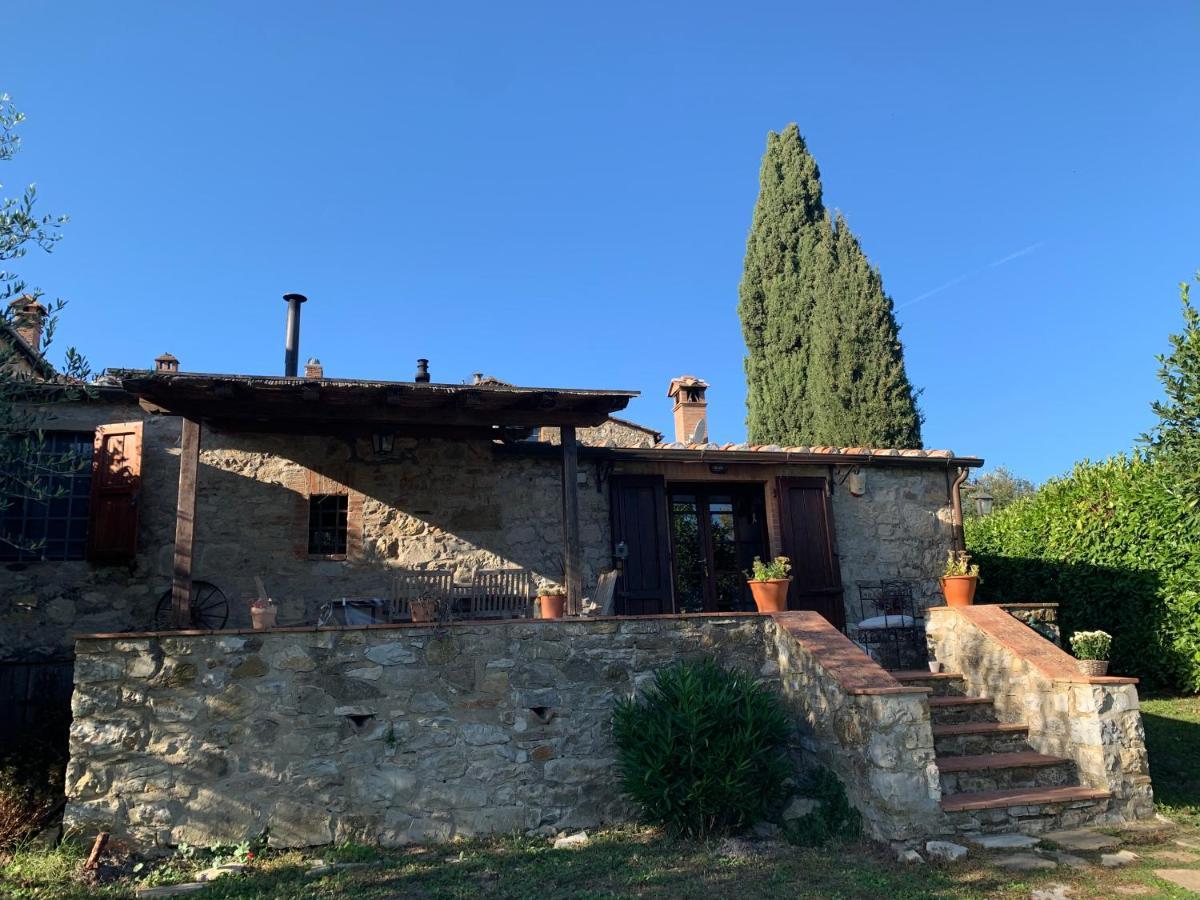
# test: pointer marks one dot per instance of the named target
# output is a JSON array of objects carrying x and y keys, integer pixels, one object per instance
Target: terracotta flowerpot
[
  {"x": 552, "y": 606},
  {"x": 960, "y": 589},
  {"x": 770, "y": 596},
  {"x": 1093, "y": 667},
  {"x": 262, "y": 619},
  {"x": 423, "y": 610}
]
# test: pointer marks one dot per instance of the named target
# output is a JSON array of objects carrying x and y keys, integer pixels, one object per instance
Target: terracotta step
[
  {"x": 979, "y": 728},
  {"x": 1020, "y": 797},
  {"x": 979, "y": 739},
  {"x": 989, "y": 761},
  {"x": 918, "y": 675},
  {"x": 954, "y": 702}
]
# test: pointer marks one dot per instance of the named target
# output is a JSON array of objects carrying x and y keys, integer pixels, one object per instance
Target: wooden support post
[
  {"x": 185, "y": 520},
  {"x": 572, "y": 562}
]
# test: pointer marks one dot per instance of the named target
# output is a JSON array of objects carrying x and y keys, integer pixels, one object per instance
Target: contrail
[{"x": 953, "y": 281}]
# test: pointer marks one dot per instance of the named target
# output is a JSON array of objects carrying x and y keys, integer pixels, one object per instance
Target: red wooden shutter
[{"x": 116, "y": 490}]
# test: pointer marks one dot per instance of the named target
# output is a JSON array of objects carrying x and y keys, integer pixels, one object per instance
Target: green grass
[{"x": 646, "y": 864}]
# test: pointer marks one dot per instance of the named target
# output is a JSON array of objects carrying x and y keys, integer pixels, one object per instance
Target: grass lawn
[{"x": 640, "y": 863}]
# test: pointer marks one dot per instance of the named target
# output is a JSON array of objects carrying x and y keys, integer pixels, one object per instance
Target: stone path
[{"x": 1189, "y": 879}]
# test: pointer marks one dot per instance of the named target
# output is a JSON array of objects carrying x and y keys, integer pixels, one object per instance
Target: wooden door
[
  {"x": 116, "y": 492},
  {"x": 639, "y": 520},
  {"x": 716, "y": 531},
  {"x": 809, "y": 542}
]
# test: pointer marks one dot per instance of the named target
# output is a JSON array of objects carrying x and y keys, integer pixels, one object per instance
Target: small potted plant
[
  {"x": 424, "y": 608},
  {"x": 769, "y": 583},
  {"x": 959, "y": 578},
  {"x": 262, "y": 613},
  {"x": 1091, "y": 649},
  {"x": 551, "y": 600}
]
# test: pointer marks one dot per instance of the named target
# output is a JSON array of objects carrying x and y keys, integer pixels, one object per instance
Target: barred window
[
  {"x": 327, "y": 524},
  {"x": 45, "y": 503}
]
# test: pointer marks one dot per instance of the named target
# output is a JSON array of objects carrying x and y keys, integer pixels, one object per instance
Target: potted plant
[
  {"x": 262, "y": 613},
  {"x": 424, "y": 608},
  {"x": 1091, "y": 649},
  {"x": 551, "y": 600},
  {"x": 769, "y": 583},
  {"x": 959, "y": 578}
]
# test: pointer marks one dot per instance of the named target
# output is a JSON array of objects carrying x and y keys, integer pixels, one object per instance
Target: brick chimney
[
  {"x": 313, "y": 368},
  {"x": 28, "y": 320},
  {"x": 166, "y": 363},
  {"x": 691, "y": 417}
]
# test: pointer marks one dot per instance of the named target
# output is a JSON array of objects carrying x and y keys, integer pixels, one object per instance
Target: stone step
[
  {"x": 1025, "y": 810},
  {"x": 979, "y": 738},
  {"x": 951, "y": 710},
  {"x": 941, "y": 684},
  {"x": 1002, "y": 771}
]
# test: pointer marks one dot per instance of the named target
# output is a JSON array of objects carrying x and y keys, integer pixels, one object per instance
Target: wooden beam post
[
  {"x": 185, "y": 520},
  {"x": 572, "y": 562}
]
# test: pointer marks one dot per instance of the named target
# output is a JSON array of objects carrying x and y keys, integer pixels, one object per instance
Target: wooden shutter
[
  {"x": 639, "y": 518},
  {"x": 809, "y": 542},
  {"x": 116, "y": 493}
]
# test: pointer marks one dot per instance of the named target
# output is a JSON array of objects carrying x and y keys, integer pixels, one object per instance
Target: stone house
[{"x": 323, "y": 487}]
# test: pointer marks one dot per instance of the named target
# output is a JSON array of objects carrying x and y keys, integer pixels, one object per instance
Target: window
[
  {"x": 53, "y": 525},
  {"x": 327, "y": 524}
]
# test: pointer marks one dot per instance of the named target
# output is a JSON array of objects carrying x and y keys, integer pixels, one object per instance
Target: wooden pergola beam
[
  {"x": 185, "y": 520},
  {"x": 572, "y": 563}
]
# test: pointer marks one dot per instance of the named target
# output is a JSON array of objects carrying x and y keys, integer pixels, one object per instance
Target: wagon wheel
[{"x": 210, "y": 609}]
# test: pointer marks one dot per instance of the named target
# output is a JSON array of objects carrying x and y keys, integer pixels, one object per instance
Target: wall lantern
[
  {"x": 984, "y": 502},
  {"x": 856, "y": 482},
  {"x": 383, "y": 444},
  {"x": 718, "y": 468}
]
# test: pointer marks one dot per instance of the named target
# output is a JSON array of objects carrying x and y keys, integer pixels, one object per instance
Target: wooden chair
[
  {"x": 413, "y": 584},
  {"x": 501, "y": 594},
  {"x": 604, "y": 595}
]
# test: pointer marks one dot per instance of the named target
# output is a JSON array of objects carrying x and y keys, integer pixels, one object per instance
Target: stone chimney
[
  {"x": 28, "y": 320},
  {"x": 313, "y": 368},
  {"x": 166, "y": 363},
  {"x": 691, "y": 416}
]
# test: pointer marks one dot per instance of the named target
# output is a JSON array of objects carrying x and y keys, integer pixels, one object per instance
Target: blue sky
[{"x": 559, "y": 194}]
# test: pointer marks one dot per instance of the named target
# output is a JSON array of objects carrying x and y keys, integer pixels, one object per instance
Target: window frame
[{"x": 77, "y": 496}]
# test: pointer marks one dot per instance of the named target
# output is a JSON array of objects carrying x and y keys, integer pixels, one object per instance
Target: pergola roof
[{"x": 323, "y": 405}]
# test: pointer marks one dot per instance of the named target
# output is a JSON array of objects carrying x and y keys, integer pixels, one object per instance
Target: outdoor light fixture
[
  {"x": 856, "y": 482},
  {"x": 383, "y": 444},
  {"x": 718, "y": 468},
  {"x": 621, "y": 551},
  {"x": 984, "y": 502}
]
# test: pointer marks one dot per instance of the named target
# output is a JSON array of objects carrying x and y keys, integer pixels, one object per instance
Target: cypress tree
[{"x": 824, "y": 364}]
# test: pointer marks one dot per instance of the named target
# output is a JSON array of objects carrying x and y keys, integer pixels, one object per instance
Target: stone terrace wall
[
  {"x": 858, "y": 721},
  {"x": 1094, "y": 721},
  {"x": 388, "y": 735},
  {"x": 393, "y": 734}
]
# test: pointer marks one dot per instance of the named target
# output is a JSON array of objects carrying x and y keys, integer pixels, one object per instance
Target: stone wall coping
[
  {"x": 845, "y": 662},
  {"x": 402, "y": 626},
  {"x": 1023, "y": 605},
  {"x": 1048, "y": 658}
]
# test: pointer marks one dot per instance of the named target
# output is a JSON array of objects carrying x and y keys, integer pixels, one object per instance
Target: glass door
[{"x": 716, "y": 531}]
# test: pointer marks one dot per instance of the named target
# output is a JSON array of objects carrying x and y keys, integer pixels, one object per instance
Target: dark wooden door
[
  {"x": 639, "y": 520},
  {"x": 809, "y": 542}
]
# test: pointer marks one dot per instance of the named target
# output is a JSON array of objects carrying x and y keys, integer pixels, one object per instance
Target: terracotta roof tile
[{"x": 814, "y": 451}]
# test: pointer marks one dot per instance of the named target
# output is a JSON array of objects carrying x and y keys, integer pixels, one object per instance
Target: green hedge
[{"x": 1118, "y": 550}]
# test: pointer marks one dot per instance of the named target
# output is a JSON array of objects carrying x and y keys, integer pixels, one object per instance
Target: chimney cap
[
  {"x": 27, "y": 302},
  {"x": 165, "y": 357},
  {"x": 686, "y": 381},
  {"x": 313, "y": 361},
  {"x": 299, "y": 298}
]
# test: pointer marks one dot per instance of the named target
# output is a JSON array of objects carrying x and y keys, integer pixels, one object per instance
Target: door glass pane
[
  {"x": 727, "y": 578},
  {"x": 689, "y": 553}
]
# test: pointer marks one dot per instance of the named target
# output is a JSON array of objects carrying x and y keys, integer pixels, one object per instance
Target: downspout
[{"x": 956, "y": 516}]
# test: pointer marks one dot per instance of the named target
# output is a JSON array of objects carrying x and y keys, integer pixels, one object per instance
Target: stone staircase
[{"x": 992, "y": 780}]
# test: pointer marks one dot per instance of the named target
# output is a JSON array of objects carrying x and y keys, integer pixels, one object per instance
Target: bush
[
  {"x": 702, "y": 752},
  {"x": 834, "y": 817},
  {"x": 1118, "y": 547}
]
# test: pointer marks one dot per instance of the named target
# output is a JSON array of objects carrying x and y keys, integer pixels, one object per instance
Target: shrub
[
  {"x": 1091, "y": 644},
  {"x": 834, "y": 817},
  {"x": 1118, "y": 547},
  {"x": 702, "y": 751}
]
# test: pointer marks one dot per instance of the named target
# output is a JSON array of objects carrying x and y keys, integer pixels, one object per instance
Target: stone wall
[
  {"x": 1094, "y": 721},
  {"x": 856, "y": 720},
  {"x": 394, "y": 734}
]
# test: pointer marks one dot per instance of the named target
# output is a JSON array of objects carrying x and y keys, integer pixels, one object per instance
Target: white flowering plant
[{"x": 1091, "y": 644}]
